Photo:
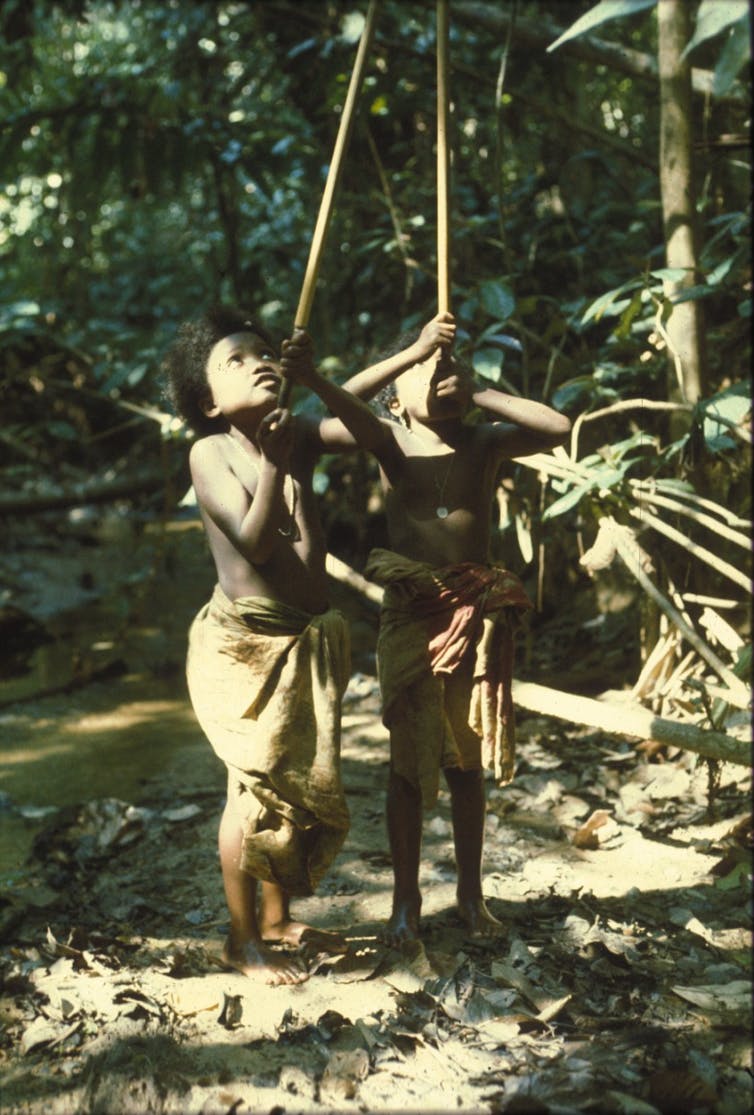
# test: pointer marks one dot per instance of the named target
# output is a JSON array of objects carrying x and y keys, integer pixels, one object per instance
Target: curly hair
[
  {"x": 185, "y": 363},
  {"x": 386, "y": 395}
]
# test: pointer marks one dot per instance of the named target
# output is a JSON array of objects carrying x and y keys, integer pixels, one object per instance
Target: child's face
[
  {"x": 434, "y": 389},
  {"x": 243, "y": 378}
]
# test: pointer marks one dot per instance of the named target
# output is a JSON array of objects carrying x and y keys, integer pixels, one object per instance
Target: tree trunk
[{"x": 685, "y": 333}]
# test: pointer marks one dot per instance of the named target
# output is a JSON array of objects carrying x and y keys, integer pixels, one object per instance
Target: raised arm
[
  {"x": 440, "y": 331},
  {"x": 525, "y": 426},
  {"x": 245, "y": 502},
  {"x": 355, "y": 424}
]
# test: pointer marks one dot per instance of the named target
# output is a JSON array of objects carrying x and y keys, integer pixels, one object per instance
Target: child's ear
[
  {"x": 396, "y": 407},
  {"x": 209, "y": 407}
]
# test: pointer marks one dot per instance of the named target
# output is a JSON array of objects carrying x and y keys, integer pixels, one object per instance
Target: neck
[{"x": 448, "y": 433}]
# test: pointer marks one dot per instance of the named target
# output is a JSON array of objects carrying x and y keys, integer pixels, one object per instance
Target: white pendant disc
[{"x": 442, "y": 512}]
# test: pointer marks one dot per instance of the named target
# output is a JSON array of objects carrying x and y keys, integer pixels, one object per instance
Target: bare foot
[
  {"x": 477, "y": 918},
  {"x": 403, "y": 924},
  {"x": 254, "y": 960},
  {"x": 298, "y": 933}
]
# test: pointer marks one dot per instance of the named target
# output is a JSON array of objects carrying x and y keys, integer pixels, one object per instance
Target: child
[
  {"x": 446, "y": 634},
  {"x": 268, "y": 661}
]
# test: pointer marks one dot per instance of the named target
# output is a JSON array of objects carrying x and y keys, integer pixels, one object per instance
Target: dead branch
[
  {"x": 698, "y": 516},
  {"x": 622, "y": 539},
  {"x": 647, "y": 519},
  {"x": 630, "y": 720},
  {"x": 79, "y": 495}
]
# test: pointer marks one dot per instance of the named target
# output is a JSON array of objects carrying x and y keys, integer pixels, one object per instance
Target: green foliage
[{"x": 158, "y": 156}]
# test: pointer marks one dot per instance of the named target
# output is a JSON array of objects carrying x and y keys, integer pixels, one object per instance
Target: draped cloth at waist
[
  {"x": 433, "y": 621},
  {"x": 266, "y": 682}
]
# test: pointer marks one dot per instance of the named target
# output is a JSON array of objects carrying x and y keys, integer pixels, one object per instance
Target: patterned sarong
[
  {"x": 266, "y": 683},
  {"x": 434, "y": 622}
]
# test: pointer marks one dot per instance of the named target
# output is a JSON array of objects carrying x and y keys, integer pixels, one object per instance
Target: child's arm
[
  {"x": 354, "y": 425},
  {"x": 440, "y": 331},
  {"x": 524, "y": 426},
  {"x": 249, "y": 522}
]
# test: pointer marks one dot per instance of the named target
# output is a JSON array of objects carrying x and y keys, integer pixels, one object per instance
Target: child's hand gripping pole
[
  {"x": 443, "y": 162},
  {"x": 326, "y": 205}
]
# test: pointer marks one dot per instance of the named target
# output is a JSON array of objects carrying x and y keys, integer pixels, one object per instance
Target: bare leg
[
  {"x": 404, "y": 826},
  {"x": 468, "y": 809},
  {"x": 276, "y": 924},
  {"x": 243, "y": 948}
]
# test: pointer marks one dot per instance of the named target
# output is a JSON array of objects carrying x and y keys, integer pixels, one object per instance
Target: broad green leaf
[
  {"x": 497, "y": 299},
  {"x": 486, "y": 362},
  {"x": 671, "y": 485},
  {"x": 579, "y": 390},
  {"x": 734, "y": 56},
  {"x": 713, "y": 17},
  {"x": 569, "y": 500},
  {"x": 670, "y": 274},
  {"x": 629, "y": 315},
  {"x": 600, "y": 305},
  {"x": 601, "y": 13},
  {"x": 503, "y": 340},
  {"x": 734, "y": 405}
]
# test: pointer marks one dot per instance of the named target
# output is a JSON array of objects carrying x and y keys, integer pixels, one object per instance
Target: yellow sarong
[
  {"x": 266, "y": 683},
  {"x": 435, "y": 622}
]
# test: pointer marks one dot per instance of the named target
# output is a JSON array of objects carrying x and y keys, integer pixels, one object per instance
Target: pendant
[{"x": 441, "y": 512}]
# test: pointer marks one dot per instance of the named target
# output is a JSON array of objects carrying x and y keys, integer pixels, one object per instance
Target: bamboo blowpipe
[
  {"x": 443, "y": 161},
  {"x": 333, "y": 175}
]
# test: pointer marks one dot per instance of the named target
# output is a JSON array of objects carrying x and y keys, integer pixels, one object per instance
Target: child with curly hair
[{"x": 268, "y": 658}]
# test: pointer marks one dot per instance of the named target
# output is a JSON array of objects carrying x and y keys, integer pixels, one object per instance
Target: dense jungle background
[{"x": 158, "y": 157}]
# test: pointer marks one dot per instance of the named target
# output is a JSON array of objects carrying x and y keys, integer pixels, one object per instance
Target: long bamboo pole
[
  {"x": 306, "y": 297},
  {"x": 443, "y": 161}
]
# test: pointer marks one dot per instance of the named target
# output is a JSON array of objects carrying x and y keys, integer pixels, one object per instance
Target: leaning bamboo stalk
[
  {"x": 697, "y": 516},
  {"x": 739, "y": 695},
  {"x": 629, "y": 720},
  {"x": 691, "y": 497},
  {"x": 646, "y": 518}
]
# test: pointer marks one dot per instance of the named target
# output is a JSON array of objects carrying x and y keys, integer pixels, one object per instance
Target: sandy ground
[{"x": 620, "y": 984}]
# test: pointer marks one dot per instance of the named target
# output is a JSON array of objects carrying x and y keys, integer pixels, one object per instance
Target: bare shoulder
[
  {"x": 206, "y": 457},
  {"x": 213, "y": 475}
]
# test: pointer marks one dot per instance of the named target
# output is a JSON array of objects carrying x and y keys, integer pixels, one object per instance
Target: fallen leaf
[
  {"x": 586, "y": 836},
  {"x": 733, "y": 996},
  {"x": 343, "y": 1073}
]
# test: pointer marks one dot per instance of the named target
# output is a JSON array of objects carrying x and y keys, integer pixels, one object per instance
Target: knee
[
  {"x": 400, "y": 787},
  {"x": 458, "y": 779}
]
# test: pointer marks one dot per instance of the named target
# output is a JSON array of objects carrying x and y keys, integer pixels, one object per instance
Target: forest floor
[{"x": 621, "y": 982}]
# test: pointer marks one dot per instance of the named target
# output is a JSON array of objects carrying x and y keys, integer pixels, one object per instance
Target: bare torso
[
  {"x": 438, "y": 497},
  {"x": 295, "y": 572}
]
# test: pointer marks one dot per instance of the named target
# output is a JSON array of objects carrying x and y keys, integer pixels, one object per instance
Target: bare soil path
[{"x": 622, "y": 982}]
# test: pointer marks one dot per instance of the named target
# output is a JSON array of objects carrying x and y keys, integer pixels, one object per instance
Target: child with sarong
[
  {"x": 449, "y": 615},
  {"x": 268, "y": 659}
]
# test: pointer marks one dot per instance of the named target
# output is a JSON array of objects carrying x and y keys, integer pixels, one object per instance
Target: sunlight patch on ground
[{"x": 609, "y": 873}]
